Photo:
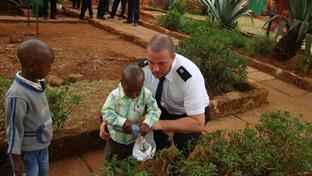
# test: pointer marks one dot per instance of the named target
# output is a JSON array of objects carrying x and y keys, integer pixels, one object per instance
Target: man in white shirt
[{"x": 179, "y": 89}]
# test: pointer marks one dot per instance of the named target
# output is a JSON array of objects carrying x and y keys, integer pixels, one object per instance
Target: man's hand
[
  {"x": 104, "y": 134},
  {"x": 144, "y": 129},
  {"x": 127, "y": 126},
  {"x": 18, "y": 165},
  {"x": 157, "y": 125}
]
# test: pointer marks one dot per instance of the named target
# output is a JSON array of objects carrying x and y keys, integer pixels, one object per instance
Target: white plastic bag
[{"x": 144, "y": 147}]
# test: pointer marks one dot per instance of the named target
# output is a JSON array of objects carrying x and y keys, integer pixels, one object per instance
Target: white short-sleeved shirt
[{"x": 184, "y": 88}]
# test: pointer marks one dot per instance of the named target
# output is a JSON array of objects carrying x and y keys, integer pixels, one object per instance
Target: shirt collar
[
  {"x": 36, "y": 86},
  {"x": 169, "y": 76}
]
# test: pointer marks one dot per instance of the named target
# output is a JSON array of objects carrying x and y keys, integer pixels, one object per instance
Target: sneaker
[
  {"x": 54, "y": 18},
  {"x": 90, "y": 16},
  {"x": 45, "y": 18},
  {"x": 127, "y": 22},
  {"x": 135, "y": 24}
]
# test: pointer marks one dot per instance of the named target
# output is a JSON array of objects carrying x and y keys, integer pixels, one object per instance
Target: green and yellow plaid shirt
[{"x": 118, "y": 108}]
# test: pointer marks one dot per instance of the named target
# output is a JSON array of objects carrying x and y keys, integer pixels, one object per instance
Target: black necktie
[{"x": 159, "y": 90}]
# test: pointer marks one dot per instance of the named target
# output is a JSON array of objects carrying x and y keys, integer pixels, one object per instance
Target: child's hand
[
  {"x": 19, "y": 168},
  {"x": 127, "y": 126},
  {"x": 104, "y": 134},
  {"x": 144, "y": 129}
]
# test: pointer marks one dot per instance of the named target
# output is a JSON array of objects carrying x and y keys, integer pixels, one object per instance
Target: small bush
[
  {"x": 260, "y": 45},
  {"x": 4, "y": 87},
  {"x": 279, "y": 144},
  {"x": 231, "y": 38},
  {"x": 221, "y": 67},
  {"x": 190, "y": 26},
  {"x": 178, "y": 6},
  {"x": 60, "y": 103},
  {"x": 304, "y": 64},
  {"x": 172, "y": 20}
]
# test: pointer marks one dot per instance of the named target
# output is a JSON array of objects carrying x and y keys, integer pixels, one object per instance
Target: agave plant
[
  {"x": 297, "y": 26},
  {"x": 227, "y": 11}
]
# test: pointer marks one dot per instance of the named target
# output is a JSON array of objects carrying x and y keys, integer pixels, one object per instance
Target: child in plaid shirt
[{"x": 130, "y": 103}]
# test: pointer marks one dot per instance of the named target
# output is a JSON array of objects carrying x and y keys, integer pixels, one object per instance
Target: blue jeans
[{"x": 36, "y": 162}]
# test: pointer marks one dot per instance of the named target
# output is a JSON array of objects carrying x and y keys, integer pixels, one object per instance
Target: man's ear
[{"x": 173, "y": 55}]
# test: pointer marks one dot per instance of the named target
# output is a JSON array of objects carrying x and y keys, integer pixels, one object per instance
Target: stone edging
[
  {"x": 8, "y": 20},
  {"x": 284, "y": 75},
  {"x": 237, "y": 102}
]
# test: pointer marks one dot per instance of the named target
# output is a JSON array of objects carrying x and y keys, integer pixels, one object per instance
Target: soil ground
[{"x": 99, "y": 60}]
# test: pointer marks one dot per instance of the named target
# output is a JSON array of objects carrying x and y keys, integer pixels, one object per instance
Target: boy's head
[
  {"x": 132, "y": 80},
  {"x": 35, "y": 58}
]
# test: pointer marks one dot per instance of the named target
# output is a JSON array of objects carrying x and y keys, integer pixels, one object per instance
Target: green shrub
[
  {"x": 179, "y": 6},
  {"x": 279, "y": 144},
  {"x": 60, "y": 103},
  {"x": 221, "y": 67},
  {"x": 172, "y": 20},
  {"x": 191, "y": 26},
  {"x": 260, "y": 45},
  {"x": 304, "y": 64},
  {"x": 231, "y": 38},
  {"x": 4, "y": 86}
]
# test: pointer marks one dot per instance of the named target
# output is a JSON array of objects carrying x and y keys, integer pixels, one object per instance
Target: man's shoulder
[
  {"x": 143, "y": 62},
  {"x": 186, "y": 69},
  {"x": 16, "y": 91}
]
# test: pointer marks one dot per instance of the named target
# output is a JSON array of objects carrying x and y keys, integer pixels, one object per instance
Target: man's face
[{"x": 160, "y": 62}]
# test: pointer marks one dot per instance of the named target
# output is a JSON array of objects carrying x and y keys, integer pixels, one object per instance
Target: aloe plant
[
  {"x": 227, "y": 12},
  {"x": 299, "y": 23}
]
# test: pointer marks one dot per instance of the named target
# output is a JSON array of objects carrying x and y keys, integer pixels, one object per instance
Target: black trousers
[
  {"x": 115, "y": 6},
  {"x": 102, "y": 8},
  {"x": 181, "y": 140},
  {"x": 76, "y": 4},
  {"x": 86, "y": 4},
  {"x": 52, "y": 9},
  {"x": 133, "y": 11},
  {"x": 120, "y": 150}
]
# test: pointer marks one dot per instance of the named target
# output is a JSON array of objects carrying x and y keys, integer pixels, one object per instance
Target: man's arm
[{"x": 189, "y": 124}]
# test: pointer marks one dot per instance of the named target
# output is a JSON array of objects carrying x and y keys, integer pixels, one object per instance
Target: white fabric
[
  {"x": 36, "y": 85},
  {"x": 179, "y": 96},
  {"x": 144, "y": 147}
]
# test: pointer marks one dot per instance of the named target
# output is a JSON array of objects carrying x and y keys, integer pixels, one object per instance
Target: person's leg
[
  {"x": 114, "y": 8},
  {"x": 123, "y": 8},
  {"x": 78, "y": 4},
  {"x": 43, "y": 162},
  {"x": 113, "y": 148},
  {"x": 31, "y": 163},
  {"x": 185, "y": 142},
  {"x": 83, "y": 9},
  {"x": 74, "y": 3},
  {"x": 100, "y": 10},
  {"x": 90, "y": 8},
  {"x": 128, "y": 150},
  {"x": 161, "y": 140},
  {"x": 53, "y": 9},
  {"x": 45, "y": 8},
  {"x": 136, "y": 11},
  {"x": 130, "y": 11}
]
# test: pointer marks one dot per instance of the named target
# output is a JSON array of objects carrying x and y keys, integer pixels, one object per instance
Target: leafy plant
[
  {"x": 179, "y": 6},
  {"x": 60, "y": 103},
  {"x": 199, "y": 4},
  {"x": 227, "y": 11},
  {"x": 304, "y": 64},
  {"x": 172, "y": 20},
  {"x": 221, "y": 67},
  {"x": 299, "y": 24},
  {"x": 279, "y": 145},
  {"x": 191, "y": 26},
  {"x": 260, "y": 45},
  {"x": 4, "y": 87}
]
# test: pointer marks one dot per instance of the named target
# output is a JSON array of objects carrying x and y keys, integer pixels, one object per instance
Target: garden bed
[{"x": 99, "y": 57}]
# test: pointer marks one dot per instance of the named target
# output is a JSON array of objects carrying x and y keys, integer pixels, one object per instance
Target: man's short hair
[{"x": 160, "y": 42}]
